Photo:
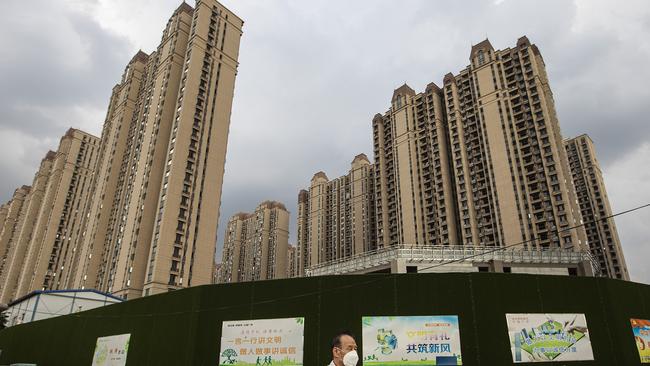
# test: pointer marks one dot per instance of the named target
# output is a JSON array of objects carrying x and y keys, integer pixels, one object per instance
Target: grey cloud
[
  {"x": 56, "y": 72},
  {"x": 319, "y": 73},
  {"x": 628, "y": 187},
  {"x": 308, "y": 96},
  {"x": 311, "y": 77}
]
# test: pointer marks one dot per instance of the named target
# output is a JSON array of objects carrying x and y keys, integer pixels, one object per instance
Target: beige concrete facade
[
  {"x": 106, "y": 193},
  {"x": 413, "y": 181},
  {"x": 136, "y": 213},
  {"x": 256, "y": 245},
  {"x": 15, "y": 257},
  {"x": 185, "y": 228},
  {"x": 479, "y": 162},
  {"x": 123, "y": 256},
  {"x": 51, "y": 251},
  {"x": 291, "y": 261},
  {"x": 513, "y": 182},
  {"x": 14, "y": 217},
  {"x": 336, "y": 218},
  {"x": 303, "y": 248},
  {"x": 152, "y": 223},
  {"x": 4, "y": 211},
  {"x": 602, "y": 235},
  {"x": 216, "y": 273}
]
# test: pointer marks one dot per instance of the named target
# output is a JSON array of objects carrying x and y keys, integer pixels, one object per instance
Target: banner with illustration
[
  {"x": 262, "y": 342},
  {"x": 549, "y": 337},
  {"x": 641, "y": 330},
  {"x": 111, "y": 350},
  {"x": 411, "y": 340}
]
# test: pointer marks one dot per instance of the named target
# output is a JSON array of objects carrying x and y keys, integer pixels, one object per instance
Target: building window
[{"x": 481, "y": 57}]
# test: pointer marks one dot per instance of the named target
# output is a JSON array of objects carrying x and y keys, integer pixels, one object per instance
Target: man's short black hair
[{"x": 336, "y": 341}]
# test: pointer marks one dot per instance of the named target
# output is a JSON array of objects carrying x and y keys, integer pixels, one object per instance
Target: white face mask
[{"x": 351, "y": 358}]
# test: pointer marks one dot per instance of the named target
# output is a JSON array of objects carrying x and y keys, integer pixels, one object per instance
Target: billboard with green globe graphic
[{"x": 411, "y": 340}]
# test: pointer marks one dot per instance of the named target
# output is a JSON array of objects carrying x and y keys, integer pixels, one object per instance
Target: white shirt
[{"x": 331, "y": 363}]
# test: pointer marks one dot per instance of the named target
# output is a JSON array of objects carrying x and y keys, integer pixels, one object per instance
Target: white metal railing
[{"x": 442, "y": 254}]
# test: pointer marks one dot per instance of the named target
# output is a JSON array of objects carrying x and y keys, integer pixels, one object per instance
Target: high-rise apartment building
[
  {"x": 13, "y": 213},
  {"x": 478, "y": 163},
  {"x": 291, "y": 261},
  {"x": 303, "y": 246},
  {"x": 152, "y": 221},
  {"x": 256, "y": 244},
  {"x": 62, "y": 186},
  {"x": 15, "y": 255},
  {"x": 4, "y": 211},
  {"x": 135, "y": 212},
  {"x": 511, "y": 173},
  {"x": 413, "y": 180},
  {"x": 336, "y": 218},
  {"x": 106, "y": 194},
  {"x": 216, "y": 273},
  {"x": 602, "y": 236}
]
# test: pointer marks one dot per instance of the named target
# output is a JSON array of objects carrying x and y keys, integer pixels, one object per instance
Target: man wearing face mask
[{"x": 344, "y": 350}]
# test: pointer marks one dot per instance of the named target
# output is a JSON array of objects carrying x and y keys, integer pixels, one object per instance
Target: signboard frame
[
  {"x": 111, "y": 350},
  {"x": 540, "y": 337},
  {"x": 277, "y": 341},
  {"x": 411, "y": 340}
]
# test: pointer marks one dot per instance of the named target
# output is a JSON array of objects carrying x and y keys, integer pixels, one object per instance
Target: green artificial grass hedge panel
[{"x": 184, "y": 327}]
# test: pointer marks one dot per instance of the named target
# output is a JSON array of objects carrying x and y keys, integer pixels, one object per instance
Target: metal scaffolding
[{"x": 438, "y": 255}]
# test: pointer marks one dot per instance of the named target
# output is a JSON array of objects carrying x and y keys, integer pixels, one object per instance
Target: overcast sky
[{"x": 313, "y": 73}]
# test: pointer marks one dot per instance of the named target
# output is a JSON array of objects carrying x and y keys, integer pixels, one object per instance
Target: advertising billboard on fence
[
  {"x": 549, "y": 337},
  {"x": 411, "y": 340},
  {"x": 262, "y": 342},
  {"x": 111, "y": 350},
  {"x": 641, "y": 330}
]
